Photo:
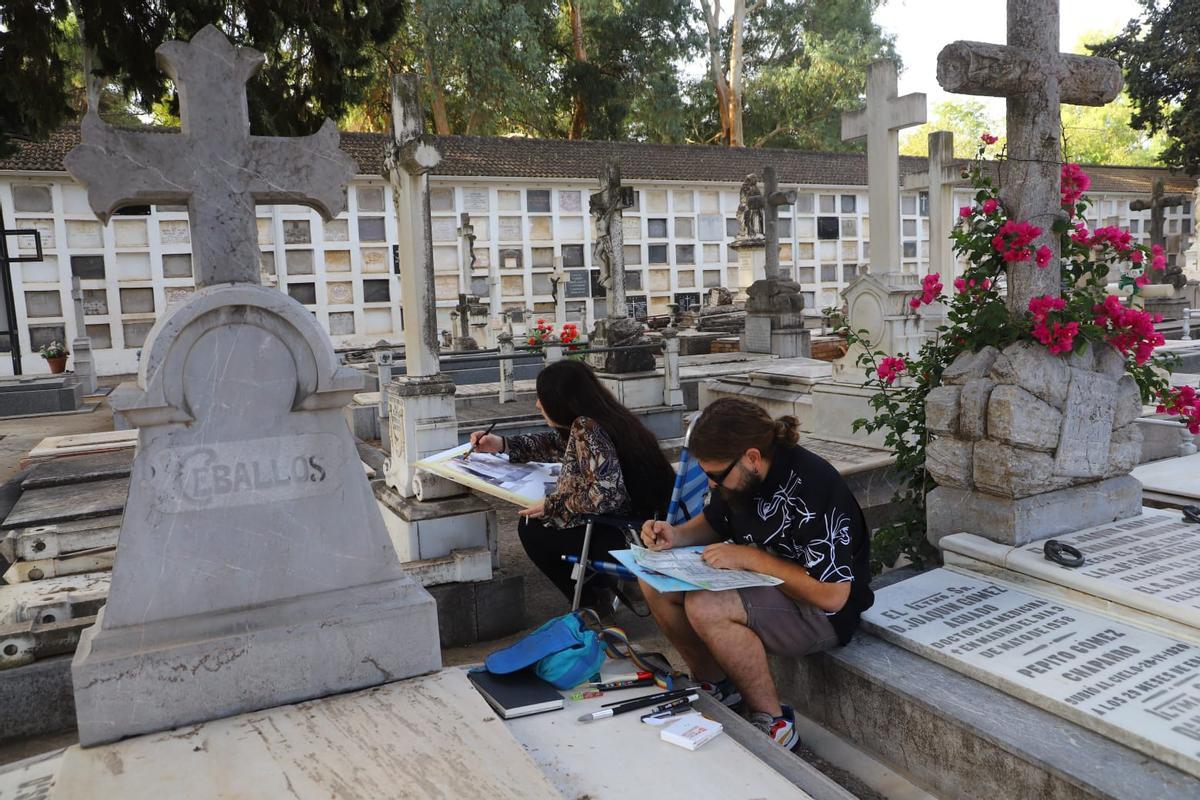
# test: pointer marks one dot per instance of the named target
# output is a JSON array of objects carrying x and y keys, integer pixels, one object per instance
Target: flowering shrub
[
  {"x": 1082, "y": 314},
  {"x": 543, "y": 330}
]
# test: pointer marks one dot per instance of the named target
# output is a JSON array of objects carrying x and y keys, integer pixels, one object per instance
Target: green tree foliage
[
  {"x": 317, "y": 55},
  {"x": 1160, "y": 55},
  {"x": 804, "y": 64},
  {"x": 966, "y": 119}
]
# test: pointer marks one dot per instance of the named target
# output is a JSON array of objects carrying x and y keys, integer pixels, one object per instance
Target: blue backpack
[{"x": 566, "y": 653}]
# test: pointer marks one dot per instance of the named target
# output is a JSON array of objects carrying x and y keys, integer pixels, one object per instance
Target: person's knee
[{"x": 708, "y": 609}]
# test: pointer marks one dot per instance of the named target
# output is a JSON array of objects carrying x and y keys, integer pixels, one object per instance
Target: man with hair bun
[{"x": 778, "y": 509}]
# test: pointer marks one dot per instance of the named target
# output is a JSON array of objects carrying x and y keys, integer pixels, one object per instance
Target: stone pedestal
[
  {"x": 274, "y": 579},
  {"x": 752, "y": 264},
  {"x": 620, "y": 332},
  {"x": 775, "y": 319},
  {"x": 422, "y": 422},
  {"x": 1025, "y": 444}
]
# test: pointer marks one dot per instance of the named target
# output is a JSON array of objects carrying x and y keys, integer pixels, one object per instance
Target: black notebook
[{"x": 516, "y": 695}]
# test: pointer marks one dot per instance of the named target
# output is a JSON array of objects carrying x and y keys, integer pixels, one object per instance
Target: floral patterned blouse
[{"x": 590, "y": 482}]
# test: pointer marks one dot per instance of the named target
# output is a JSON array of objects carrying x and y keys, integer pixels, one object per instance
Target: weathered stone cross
[
  {"x": 773, "y": 198},
  {"x": 214, "y": 165},
  {"x": 880, "y": 122},
  {"x": 1033, "y": 77},
  {"x": 1158, "y": 205},
  {"x": 607, "y": 206}
]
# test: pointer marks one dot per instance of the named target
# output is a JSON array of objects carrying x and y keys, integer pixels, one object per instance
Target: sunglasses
[{"x": 719, "y": 478}]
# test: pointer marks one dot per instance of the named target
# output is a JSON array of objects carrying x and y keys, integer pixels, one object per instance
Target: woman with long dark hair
[{"x": 611, "y": 465}]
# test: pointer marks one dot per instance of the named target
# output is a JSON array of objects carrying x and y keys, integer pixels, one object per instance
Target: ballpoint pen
[
  {"x": 663, "y": 696},
  {"x": 672, "y": 709},
  {"x": 467, "y": 455},
  {"x": 633, "y": 705}
]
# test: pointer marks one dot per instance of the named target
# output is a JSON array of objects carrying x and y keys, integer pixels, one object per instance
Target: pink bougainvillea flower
[
  {"x": 1044, "y": 255},
  {"x": 1074, "y": 183},
  {"x": 1137, "y": 256},
  {"x": 890, "y": 368},
  {"x": 1130, "y": 330},
  {"x": 964, "y": 211},
  {"x": 960, "y": 285},
  {"x": 1184, "y": 402},
  {"x": 988, "y": 138},
  {"x": 1013, "y": 239},
  {"x": 1140, "y": 281},
  {"x": 990, "y": 205}
]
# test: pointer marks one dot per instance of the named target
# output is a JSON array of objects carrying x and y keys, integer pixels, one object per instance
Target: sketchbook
[
  {"x": 492, "y": 473},
  {"x": 684, "y": 565}
]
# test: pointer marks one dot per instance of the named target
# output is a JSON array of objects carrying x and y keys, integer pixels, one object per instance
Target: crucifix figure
[
  {"x": 1034, "y": 78},
  {"x": 880, "y": 123},
  {"x": 606, "y": 206},
  {"x": 214, "y": 165},
  {"x": 939, "y": 181},
  {"x": 1158, "y": 205},
  {"x": 466, "y": 232},
  {"x": 773, "y": 198}
]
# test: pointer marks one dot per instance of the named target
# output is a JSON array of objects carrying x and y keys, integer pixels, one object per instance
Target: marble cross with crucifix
[
  {"x": 606, "y": 207},
  {"x": 880, "y": 123},
  {"x": 773, "y": 199},
  {"x": 1034, "y": 78},
  {"x": 1158, "y": 205},
  {"x": 213, "y": 165}
]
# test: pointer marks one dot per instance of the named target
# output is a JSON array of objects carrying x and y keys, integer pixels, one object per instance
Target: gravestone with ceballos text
[{"x": 253, "y": 566}]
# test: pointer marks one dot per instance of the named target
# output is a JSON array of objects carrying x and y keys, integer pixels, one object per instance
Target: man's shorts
[{"x": 787, "y": 627}]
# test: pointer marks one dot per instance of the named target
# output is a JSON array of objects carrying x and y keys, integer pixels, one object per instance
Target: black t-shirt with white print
[{"x": 805, "y": 512}]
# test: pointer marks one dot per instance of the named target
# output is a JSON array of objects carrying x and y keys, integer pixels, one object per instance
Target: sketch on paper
[{"x": 491, "y": 473}]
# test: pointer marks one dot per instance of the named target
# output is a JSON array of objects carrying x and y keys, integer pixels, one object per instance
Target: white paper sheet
[
  {"x": 685, "y": 564},
  {"x": 492, "y": 473}
]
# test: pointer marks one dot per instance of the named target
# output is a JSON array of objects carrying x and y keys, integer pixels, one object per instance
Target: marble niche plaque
[
  {"x": 1139, "y": 688},
  {"x": 1150, "y": 563}
]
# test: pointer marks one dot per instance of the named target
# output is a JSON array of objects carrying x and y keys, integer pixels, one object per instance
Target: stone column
[
  {"x": 939, "y": 181},
  {"x": 552, "y": 349},
  {"x": 383, "y": 368},
  {"x": 421, "y": 402},
  {"x": 672, "y": 392},
  {"x": 507, "y": 387},
  {"x": 81, "y": 345}
]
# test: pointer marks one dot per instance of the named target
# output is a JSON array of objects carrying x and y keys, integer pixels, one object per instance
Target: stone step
[
  {"x": 959, "y": 738},
  {"x": 1144, "y": 571},
  {"x": 1136, "y": 687}
]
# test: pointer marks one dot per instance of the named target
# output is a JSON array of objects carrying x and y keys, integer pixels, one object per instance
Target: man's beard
[{"x": 740, "y": 499}]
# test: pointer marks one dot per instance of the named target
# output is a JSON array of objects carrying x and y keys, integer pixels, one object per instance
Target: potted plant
[{"x": 55, "y": 354}]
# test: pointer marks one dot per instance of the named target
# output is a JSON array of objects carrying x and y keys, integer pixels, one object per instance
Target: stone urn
[{"x": 1025, "y": 444}]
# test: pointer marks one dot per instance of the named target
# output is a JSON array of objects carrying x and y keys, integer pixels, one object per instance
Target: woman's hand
[
  {"x": 534, "y": 511},
  {"x": 487, "y": 442},
  {"x": 658, "y": 535},
  {"x": 725, "y": 555}
]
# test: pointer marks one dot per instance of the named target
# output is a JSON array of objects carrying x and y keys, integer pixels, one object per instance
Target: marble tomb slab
[
  {"x": 431, "y": 736},
  {"x": 1145, "y": 569},
  {"x": 80, "y": 469},
  {"x": 1138, "y": 688},
  {"x": 63, "y": 503},
  {"x": 79, "y": 443},
  {"x": 71, "y": 596},
  {"x": 1177, "y": 478}
]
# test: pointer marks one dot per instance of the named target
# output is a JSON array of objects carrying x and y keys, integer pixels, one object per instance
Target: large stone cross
[
  {"x": 607, "y": 206},
  {"x": 214, "y": 166},
  {"x": 881, "y": 122},
  {"x": 773, "y": 198},
  {"x": 1033, "y": 77}
]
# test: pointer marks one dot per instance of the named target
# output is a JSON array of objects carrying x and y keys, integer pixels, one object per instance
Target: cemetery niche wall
[{"x": 529, "y": 210}]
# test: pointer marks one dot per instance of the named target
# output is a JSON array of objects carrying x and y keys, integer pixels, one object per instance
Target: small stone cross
[
  {"x": 880, "y": 123},
  {"x": 1158, "y": 205},
  {"x": 214, "y": 165},
  {"x": 773, "y": 198},
  {"x": 607, "y": 206},
  {"x": 1033, "y": 77}
]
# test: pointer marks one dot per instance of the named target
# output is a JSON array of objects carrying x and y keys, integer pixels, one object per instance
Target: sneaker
[
  {"x": 782, "y": 730},
  {"x": 724, "y": 692}
]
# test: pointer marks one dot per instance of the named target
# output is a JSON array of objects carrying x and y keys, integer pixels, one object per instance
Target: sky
[{"x": 923, "y": 27}]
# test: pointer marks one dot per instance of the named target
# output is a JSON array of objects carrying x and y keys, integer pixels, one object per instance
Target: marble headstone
[
  {"x": 1139, "y": 688},
  {"x": 253, "y": 566}
]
